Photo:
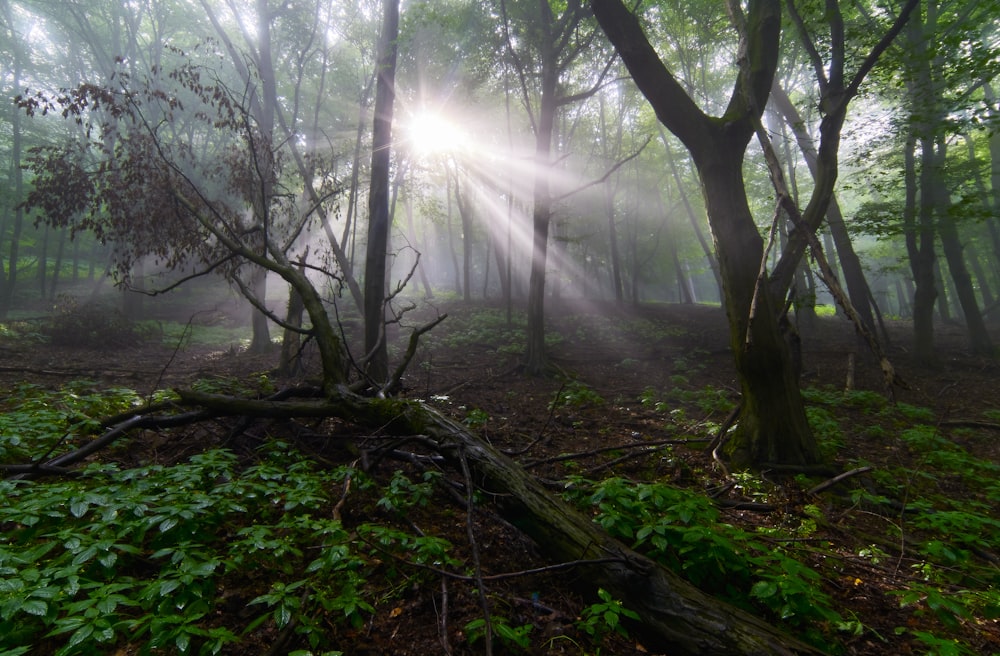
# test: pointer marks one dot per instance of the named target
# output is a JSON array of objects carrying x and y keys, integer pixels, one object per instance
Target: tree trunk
[
  {"x": 260, "y": 342},
  {"x": 16, "y": 177},
  {"x": 421, "y": 245},
  {"x": 616, "y": 266},
  {"x": 920, "y": 249},
  {"x": 290, "y": 362},
  {"x": 541, "y": 216},
  {"x": 456, "y": 269},
  {"x": 982, "y": 279},
  {"x": 979, "y": 338},
  {"x": 57, "y": 269},
  {"x": 772, "y": 425},
  {"x": 43, "y": 262},
  {"x": 378, "y": 198},
  {"x": 465, "y": 216},
  {"x": 705, "y": 247}
]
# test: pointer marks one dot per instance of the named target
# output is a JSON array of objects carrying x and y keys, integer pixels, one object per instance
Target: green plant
[
  {"x": 937, "y": 646},
  {"x": 605, "y": 616},
  {"x": 650, "y": 398},
  {"x": 476, "y": 418},
  {"x": 94, "y": 325},
  {"x": 516, "y": 636},
  {"x": 147, "y": 556},
  {"x": 826, "y": 429},
  {"x": 33, "y": 419},
  {"x": 576, "y": 395},
  {"x": 708, "y": 399},
  {"x": 402, "y": 493},
  {"x": 682, "y": 529}
]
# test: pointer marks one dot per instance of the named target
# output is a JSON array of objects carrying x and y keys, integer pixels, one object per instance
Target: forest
[{"x": 499, "y": 327}]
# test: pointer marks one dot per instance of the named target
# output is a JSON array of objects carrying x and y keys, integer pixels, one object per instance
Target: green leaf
[
  {"x": 35, "y": 607},
  {"x": 78, "y": 508},
  {"x": 80, "y": 635},
  {"x": 764, "y": 589},
  {"x": 282, "y": 615}
]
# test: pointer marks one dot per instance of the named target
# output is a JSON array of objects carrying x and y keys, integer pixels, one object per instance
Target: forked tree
[{"x": 772, "y": 429}]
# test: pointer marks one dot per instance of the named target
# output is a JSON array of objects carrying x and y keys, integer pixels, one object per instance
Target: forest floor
[{"x": 636, "y": 394}]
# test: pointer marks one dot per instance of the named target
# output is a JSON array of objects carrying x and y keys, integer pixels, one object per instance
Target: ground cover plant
[{"x": 310, "y": 536}]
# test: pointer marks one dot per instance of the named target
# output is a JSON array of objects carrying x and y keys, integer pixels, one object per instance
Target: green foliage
[
  {"x": 605, "y": 616},
  {"x": 233, "y": 386},
  {"x": 402, "y": 494},
  {"x": 650, "y": 398},
  {"x": 864, "y": 400},
  {"x": 945, "y": 528},
  {"x": 682, "y": 529},
  {"x": 481, "y": 327},
  {"x": 826, "y": 428},
  {"x": 207, "y": 335},
  {"x": 707, "y": 400},
  {"x": 34, "y": 419},
  {"x": 476, "y": 418},
  {"x": 150, "y": 555},
  {"x": 513, "y": 636},
  {"x": 575, "y": 394}
]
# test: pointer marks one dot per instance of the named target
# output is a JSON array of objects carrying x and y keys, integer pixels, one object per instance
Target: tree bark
[
  {"x": 464, "y": 205},
  {"x": 378, "y": 198},
  {"x": 705, "y": 247},
  {"x": 919, "y": 237},
  {"x": 979, "y": 338},
  {"x": 541, "y": 216},
  {"x": 261, "y": 339},
  {"x": 16, "y": 175}
]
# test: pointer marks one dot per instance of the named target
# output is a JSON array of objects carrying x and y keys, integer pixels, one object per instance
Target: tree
[
  {"x": 10, "y": 201},
  {"x": 558, "y": 40},
  {"x": 199, "y": 205},
  {"x": 850, "y": 263},
  {"x": 772, "y": 426},
  {"x": 929, "y": 126},
  {"x": 378, "y": 197}
]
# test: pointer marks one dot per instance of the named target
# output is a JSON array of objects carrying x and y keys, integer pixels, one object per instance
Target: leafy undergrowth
[{"x": 274, "y": 539}]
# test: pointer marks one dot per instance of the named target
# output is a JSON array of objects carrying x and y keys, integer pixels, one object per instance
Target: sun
[{"x": 430, "y": 134}]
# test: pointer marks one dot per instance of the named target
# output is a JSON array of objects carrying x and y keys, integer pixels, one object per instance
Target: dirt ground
[{"x": 621, "y": 356}]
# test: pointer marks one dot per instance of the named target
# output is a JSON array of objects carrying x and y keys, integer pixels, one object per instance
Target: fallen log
[{"x": 677, "y": 618}]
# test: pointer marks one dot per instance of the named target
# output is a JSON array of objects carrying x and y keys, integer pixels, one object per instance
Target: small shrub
[
  {"x": 576, "y": 395},
  {"x": 95, "y": 325},
  {"x": 514, "y": 636},
  {"x": 605, "y": 616}
]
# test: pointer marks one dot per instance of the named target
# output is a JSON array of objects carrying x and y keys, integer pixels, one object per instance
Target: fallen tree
[{"x": 676, "y": 617}]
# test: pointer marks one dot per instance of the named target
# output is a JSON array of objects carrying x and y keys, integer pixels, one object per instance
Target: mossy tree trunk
[{"x": 772, "y": 425}]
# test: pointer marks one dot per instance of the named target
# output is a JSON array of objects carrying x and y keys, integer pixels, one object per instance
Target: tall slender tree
[
  {"x": 558, "y": 36},
  {"x": 376, "y": 349}
]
